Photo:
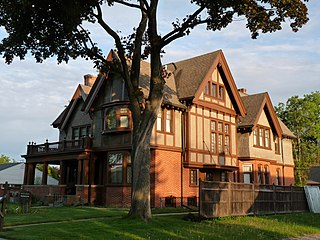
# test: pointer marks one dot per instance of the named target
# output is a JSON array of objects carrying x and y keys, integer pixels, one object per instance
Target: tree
[
  {"x": 302, "y": 116},
  {"x": 56, "y": 28},
  {"x": 5, "y": 159}
]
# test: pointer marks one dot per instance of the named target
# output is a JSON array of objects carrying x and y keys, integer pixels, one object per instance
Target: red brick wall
[{"x": 118, "y": 196}]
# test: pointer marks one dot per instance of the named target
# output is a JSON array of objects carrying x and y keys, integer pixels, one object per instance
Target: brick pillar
[
  {"x": 85, "y": 171},
  {"x": 45, "y": 174}
]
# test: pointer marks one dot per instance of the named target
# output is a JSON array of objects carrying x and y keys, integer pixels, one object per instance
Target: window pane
[
  {"x": 213, "y": 126},
  {"x": 111, "y": 119},
  {"x": 193, "y": 177},
  {"x": 261, "y": 137},
  {"x": 227, "y": 144},
  {"x": 226, "y": 129},
  {"x": 214, "y": 90},
  {"x": 83, "y": 132},
  {"x": 267, "y": 137},
  {"x": 76, "y": 133},
  {"x": 116, "y": 173},
  {"x": 124, "y": 121},
  {"x": 213, "y": 143},
  {"x": 206, "y": 88},
  {"x": 115, "y": 166},
  {"x": 255, "y": 137},
  {"x": 159, "y": 120},
  {"x": 221, "y": 92},
  {"x": 220, "y": 126},
  {"x": 220, "y": 148},
  {"x": 168, "y": 121}
]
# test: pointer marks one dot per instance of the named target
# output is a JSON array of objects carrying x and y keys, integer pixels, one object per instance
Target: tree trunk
[{"x": 141, "y": 158}]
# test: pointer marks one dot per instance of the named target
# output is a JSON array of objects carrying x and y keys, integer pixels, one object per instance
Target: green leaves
[{"x": 302, "y": 116}]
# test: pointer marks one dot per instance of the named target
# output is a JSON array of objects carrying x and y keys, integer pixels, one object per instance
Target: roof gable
[
  {"x": 191, "y": 76},
  {"x": 255, "y": 105}
]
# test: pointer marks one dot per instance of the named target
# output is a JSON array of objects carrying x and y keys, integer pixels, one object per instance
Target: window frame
[
  {"x": 249, "y": 173},
  {"x": 118, "y": 115},
  {"x": 125, "y": 167},
  {"x": 262, "y": 137},
  {"x": 215, "y": 90},
  {"x": 162, "y": 121},
  {"x": 193, "y": 177},
  {"x": 220, "y": 133},
  {"x": 276, "y": 141}
]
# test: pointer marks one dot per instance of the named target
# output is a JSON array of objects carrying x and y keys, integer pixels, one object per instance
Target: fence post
[
  {"x": 274, "y": 198},
  {"x": 229, "y": 200},
  {"x": 253, "y": 199},
  {"x": 200, "y": 198}
]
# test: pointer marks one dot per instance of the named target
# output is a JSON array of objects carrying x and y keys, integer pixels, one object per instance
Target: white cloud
[{"x": 283, "y": 63}]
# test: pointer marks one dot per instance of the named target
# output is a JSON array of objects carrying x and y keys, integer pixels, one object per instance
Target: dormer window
[{"x": 117, "y": 118}]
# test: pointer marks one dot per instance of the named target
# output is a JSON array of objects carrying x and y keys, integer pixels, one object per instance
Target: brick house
[{"x": 206, "y": 129}]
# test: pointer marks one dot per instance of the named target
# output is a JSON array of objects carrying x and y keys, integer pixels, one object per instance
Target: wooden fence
[{"x": 218, "y": 199}]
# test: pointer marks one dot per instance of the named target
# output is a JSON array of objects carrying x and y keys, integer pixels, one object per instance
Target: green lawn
[{"x": 112, "y": 224}]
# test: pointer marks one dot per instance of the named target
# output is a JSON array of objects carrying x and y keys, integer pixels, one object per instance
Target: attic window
[{"x": 261, "y": 137}]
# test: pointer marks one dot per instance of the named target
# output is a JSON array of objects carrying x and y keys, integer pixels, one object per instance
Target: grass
[{"x": 112, "y": 224}]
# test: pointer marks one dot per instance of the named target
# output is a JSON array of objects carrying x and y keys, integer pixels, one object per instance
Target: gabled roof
[
  {"x": 255, "y": 104},
  {"x": 191, "y": 73},
  {"x": 82, "y": 91}
]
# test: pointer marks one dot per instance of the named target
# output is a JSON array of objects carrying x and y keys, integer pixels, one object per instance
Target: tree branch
[
  {"x": 180, "y": 31},
  {"x": 131, "y": 5}
]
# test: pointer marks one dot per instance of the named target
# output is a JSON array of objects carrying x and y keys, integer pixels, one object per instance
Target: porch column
[
  {"x": 80, "y": 172},
  {"x": 44, "y": 179},
  {"x": 25, "y": 177},
  {"x": 62, "y": 173},
  {"x": 31, "y": 171}
]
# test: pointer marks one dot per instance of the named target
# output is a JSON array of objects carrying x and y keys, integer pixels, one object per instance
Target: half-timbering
[{"x": 206, "y": 129}]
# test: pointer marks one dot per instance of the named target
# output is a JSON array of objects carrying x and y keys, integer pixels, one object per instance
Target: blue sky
[{"x": 283, "y": 63}]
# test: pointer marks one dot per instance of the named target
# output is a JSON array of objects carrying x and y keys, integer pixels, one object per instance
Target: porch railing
[{"x": 83, "y": 143}]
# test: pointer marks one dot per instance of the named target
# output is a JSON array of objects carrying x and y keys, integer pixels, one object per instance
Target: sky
[{"x": 284, "y": 64}]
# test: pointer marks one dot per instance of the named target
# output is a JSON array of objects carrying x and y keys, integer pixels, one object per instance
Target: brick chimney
[
  {"x": 243, "y": 92},
  {"x": 89, "y": 80}
]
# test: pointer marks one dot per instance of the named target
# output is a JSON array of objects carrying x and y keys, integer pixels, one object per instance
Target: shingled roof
[
  {"x": 285, "y": 130},
  {"x": 190, "y": 73},
  {"x": 253, "y": 104}
]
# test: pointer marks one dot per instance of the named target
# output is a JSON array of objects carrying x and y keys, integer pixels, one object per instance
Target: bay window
[{"x": 117, "y": 118}]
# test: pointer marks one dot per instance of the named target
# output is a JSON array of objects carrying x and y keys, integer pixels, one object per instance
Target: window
[
  {"x": 119, "y": 168},
  {"x": 213, "y": 137},
  {"x": 193, "y": 177},
  {"x": 214, "y": 90},
  {"x": 247, "y": 173},
  {"x": 255, "y": 137},
  {"x": 80, "y": 132},
  {"x": 165, "y": 120},
  {"x": 220, "y": 138},
  {"x": 207, "y": 89},
  {"x": 276, "y": 144},
  {"x": 117, "y": 118},
  {"x": 221, "y": 92},
  {"x": 261, "y": 137}
]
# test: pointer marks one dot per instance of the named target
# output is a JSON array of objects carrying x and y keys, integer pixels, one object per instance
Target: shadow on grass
[{"x": 174, "y": 227}]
